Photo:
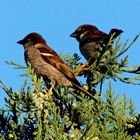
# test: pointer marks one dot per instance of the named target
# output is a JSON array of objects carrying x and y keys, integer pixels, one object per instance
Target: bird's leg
[
  {"x": 80, "y": 69},
  {"x": 51, "y": 88}
]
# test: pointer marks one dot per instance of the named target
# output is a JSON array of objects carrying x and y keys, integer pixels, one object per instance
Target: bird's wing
[
  {"x": 95, "y": 36},
  {"x": 99, "y": 35},
  {"x": 51, "y": 57}
]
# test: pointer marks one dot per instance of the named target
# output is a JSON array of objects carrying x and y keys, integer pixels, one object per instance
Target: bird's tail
[
  {"x": 115, "y": 33},
  {"x": 84, "y": 91}
]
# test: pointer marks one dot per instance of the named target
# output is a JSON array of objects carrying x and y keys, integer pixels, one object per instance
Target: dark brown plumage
[
  {"x": 90, "y": 39},
  {"x": 47, "y": 63}
]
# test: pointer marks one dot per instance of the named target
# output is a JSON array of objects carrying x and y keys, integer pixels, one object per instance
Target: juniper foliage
[{"x": 31, "y": 113}]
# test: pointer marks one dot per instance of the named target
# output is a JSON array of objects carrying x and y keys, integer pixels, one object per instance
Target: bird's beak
[
  {"x": 21, "y": 42},
  {"x": 74, "y": 34}
]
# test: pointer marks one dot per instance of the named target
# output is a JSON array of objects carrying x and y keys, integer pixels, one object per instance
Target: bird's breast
[
  {"x": 45, "y": 69},
  {"x": 90, "y": 50}
]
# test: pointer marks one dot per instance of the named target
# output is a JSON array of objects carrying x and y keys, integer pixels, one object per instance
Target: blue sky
[{"x": 55, "y": 20}]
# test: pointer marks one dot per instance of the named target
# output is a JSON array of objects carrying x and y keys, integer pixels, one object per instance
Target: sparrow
[
  {"x": 91, "y": 39},
  {"x": 47, "y": 63}
]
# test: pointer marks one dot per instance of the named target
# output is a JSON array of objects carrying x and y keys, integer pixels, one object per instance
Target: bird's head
[
  {"x": 32, "y": 39},
  {"x": 83, "y": 30}
]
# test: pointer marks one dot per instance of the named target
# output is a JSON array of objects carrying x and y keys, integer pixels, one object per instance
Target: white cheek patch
[
  {"x": 46, "y": 54},
  {"x": 83, "y": 34}
]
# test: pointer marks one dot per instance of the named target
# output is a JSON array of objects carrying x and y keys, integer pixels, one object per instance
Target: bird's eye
[
  {"x": 79, "y": 29},
  {"x": 28, "y": 39}
]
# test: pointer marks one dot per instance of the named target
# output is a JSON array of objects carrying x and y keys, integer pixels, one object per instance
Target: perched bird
[
  {"x": 47, "y": 63},
  {"x": 91, "y": 39}
]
